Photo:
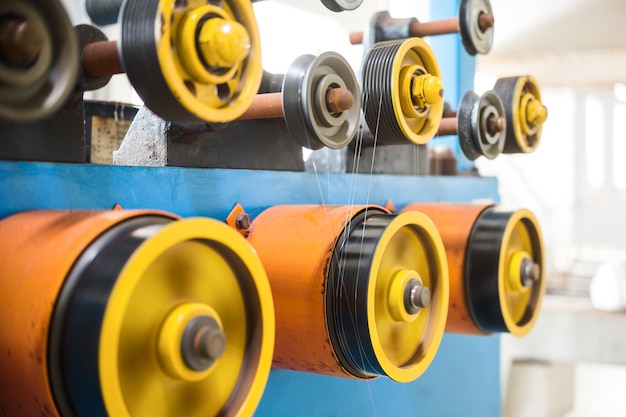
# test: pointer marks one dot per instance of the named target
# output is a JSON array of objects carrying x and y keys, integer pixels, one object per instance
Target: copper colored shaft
[
  {"x": 270, "y": 105},
  {"x": 100, "y": 59},
  {"x": 448, "y": 126},
  {"x": 437, "y": 27},
  {"x": 419, "y": 30},
  {"x": 265, "y": 106}
]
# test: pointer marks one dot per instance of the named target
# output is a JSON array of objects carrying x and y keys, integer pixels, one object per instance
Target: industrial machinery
[
  {"x": 497, "y": 266},
  {"x": 359, "y": 292},
  {"x": 316, "y": 300}
]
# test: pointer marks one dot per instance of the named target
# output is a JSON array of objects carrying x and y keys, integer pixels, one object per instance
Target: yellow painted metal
[
  {"x": 427, "y": 90},
  {"x": 171, "y": 335},
  {"x": 223, "y": 43},
  {"x": 413, "y": 59},
  {"x": 397, "y": 290},
  {"x": 514, "y": 298},
  {"x": 532, "y": 115},
  {"x": 208, "y": 261},
  {"x": 405, "y": 348},
  {"x": 528, "y": 113},
  {"x": 210, "y": 56},
  {"x": 514, "y": 272}
]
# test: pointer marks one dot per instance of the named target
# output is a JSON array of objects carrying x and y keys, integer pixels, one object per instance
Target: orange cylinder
[
  {"x": 37, "y": 251},
  {"x": 455, "y": 223},
  {"x": 128, "y": 313},
  {"x": 496, "y": 263},
  {"x": 320, "y": 259}
]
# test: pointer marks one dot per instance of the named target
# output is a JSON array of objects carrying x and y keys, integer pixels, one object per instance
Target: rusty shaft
[{"x": 270, "y": 105}]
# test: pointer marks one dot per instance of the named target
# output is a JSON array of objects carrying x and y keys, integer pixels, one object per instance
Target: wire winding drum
[
  {"x": 496, "y": 262},
  {"x": 192, "y": 61},
  {"x": 128, "y": 313},
  {"x": 38, "y": 58},
  {"x": 403, "y": 93},
  {"x": 358, "y": 292}
]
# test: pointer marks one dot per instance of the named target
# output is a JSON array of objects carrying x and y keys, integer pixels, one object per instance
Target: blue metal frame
[
  {"x": 457, "y": 68},
  {"x": 464, "y": 377}
]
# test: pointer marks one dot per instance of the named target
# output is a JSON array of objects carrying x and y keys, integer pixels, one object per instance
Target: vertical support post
[{"x": 457, "y": 68}]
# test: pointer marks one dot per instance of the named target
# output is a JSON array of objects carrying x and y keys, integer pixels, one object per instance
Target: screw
[{"x": 242, "y": 221}]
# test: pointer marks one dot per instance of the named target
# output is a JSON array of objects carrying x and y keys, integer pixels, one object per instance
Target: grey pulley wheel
[
  {"x": 475, "y": 40},
  {"x": 481, "y": 125},
  {"x": 38, "y": 58},
  {"x": 341, "y": 5},
  {"x": 305, "y": 88}
]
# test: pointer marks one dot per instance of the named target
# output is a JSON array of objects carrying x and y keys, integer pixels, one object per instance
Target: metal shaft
[
  {"x": 437, "y": 27},
  {"x": 270, "y": 105},
  {"x": 100, "y": 59},
  {"x": 448, "y": 126}
]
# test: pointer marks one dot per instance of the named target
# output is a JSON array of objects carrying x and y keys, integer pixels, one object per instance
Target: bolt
[
  {"x": 495, "y": 124},
  {"x": 529, "y": 273},
  {"x": 536, "y": 113},
  {"x": 339, "y": 100},
  {"x": 223, "y": 43},
  {"x": 211, "y": 343},
  {"x": 426, "y": 90},
  {"x": 20, "y": 42},
  {"x": 485, "y": 21},
  {"x": 242, "y": 221},
  {"x": 416, "y": 296}
]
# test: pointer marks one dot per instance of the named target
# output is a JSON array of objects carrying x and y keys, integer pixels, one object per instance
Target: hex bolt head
[
  {"x": 243, "y": 222},
  {"x": 530, "y": 272}
]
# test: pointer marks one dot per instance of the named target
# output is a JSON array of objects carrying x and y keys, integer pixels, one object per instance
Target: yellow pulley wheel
[
  {"x": 507, "y": 245},
  {"x": 165, "y": 318},
  {"x": 403, "y": 92},
  {"x": 525, "y": 113},
  {"x": 390, "y": 297},
  {"x": 192, "y": 61}
]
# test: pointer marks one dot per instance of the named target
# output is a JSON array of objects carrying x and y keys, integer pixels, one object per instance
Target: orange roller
[
  {"x": 496, "y": 265},
  {"x": 38, "y": 250},
  {"x": 353, "y": 282},
  {"x": 121, "y": 313}
]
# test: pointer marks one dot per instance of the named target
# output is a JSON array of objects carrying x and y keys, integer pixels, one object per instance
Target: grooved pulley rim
[{"x": 382, "y": 92}]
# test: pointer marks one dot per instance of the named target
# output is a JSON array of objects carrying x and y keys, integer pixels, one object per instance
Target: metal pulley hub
[
  {"x": 402, "y": 91},
  {"x": 307, "y": 89},
  {"x": 476, "y": 31},
  {"x": 525, "y": 113},
  {"x": 38, "y": 59},
  {"x": 481, "y": 125},
  {"x": 192, "y": 62}
]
